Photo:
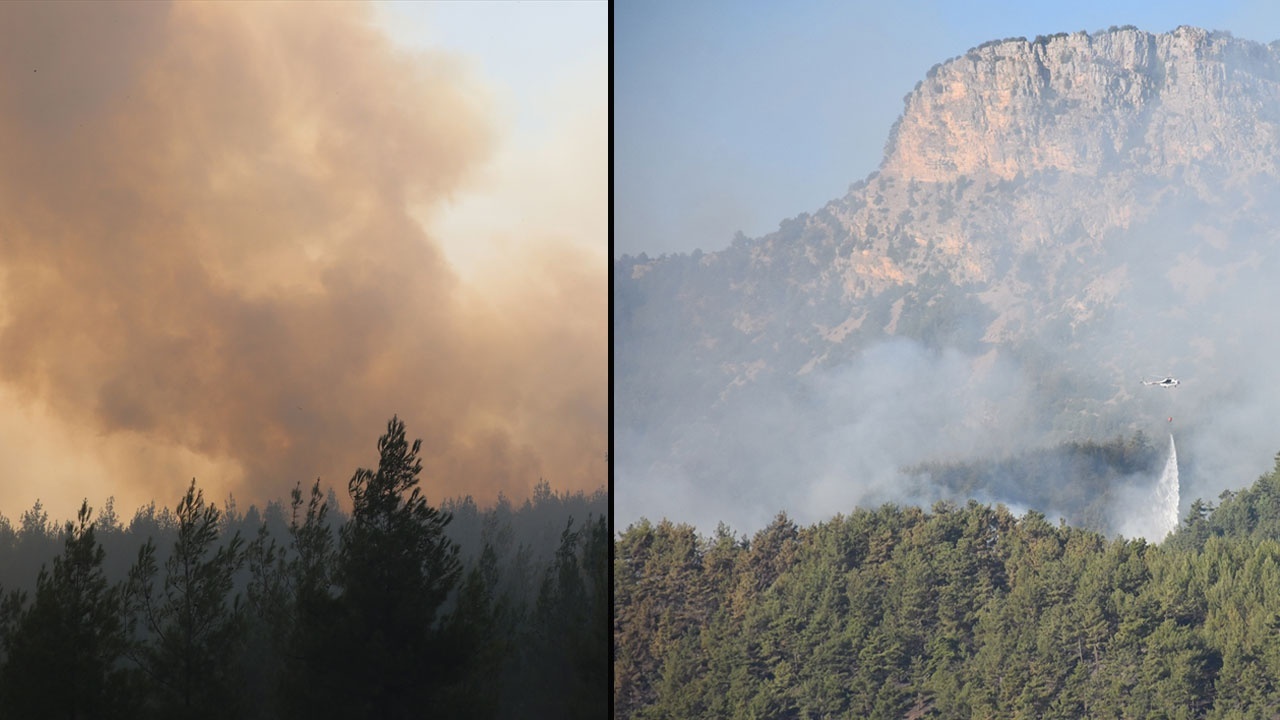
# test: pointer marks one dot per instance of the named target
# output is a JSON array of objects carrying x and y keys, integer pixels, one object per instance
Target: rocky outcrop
[
  {"x": 1085, "y": 209},
  {"x": 1090, "y": 104}
]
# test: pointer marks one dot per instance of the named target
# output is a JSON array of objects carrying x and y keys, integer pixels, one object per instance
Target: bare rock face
[
  {"x": 1083, "y": 104},
  {"x": 1083, "y": 208}
]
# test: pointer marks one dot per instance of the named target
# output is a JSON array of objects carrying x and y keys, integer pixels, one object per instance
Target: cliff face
[
  {"x": 1063, "y": 215},
  {"x": 1086, "y": 104}
]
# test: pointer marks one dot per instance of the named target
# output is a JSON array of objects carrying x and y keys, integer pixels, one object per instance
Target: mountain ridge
[
  {"x": 1052, "y": 219},
  {"x": 1133, "y": 82}
]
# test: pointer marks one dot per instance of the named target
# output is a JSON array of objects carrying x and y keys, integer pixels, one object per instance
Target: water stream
[{"x": 1167, "y": 492}]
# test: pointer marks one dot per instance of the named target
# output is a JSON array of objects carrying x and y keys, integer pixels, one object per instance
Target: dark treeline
[
  {"x": 399, "y": 609},
  {"x": 1078, "y": 481},
  {"x": 961, "y": 611}
]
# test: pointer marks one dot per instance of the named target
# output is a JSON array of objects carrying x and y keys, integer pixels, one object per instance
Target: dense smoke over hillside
[
  {"x": 1055, "y": 221},
  {"x": 212, "y": 264}
]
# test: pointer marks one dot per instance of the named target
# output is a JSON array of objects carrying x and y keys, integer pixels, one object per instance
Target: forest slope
[{"x": 961, "y": 611}]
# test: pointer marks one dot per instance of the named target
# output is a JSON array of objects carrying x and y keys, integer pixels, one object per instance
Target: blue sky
[{"x": 736, "y": 114}]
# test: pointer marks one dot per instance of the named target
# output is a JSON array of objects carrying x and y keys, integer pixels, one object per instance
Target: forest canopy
[
  {"x": 302, "y": 611},
  {"x": 958, "y": 611}
]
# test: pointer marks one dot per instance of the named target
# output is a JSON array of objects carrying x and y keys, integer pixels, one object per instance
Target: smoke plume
[{"x": 212, "y": 263}]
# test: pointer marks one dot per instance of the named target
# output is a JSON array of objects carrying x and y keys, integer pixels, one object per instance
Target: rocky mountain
[{"x": 1053, "y": 221}]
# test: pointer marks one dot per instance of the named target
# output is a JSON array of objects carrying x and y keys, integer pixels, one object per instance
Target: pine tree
[
  {"x": 395, "y": 568},
  {"x": 569, "y": 649},
  {"x": 306, "y": 611},
  {"x": 192, "y": 630},
  {"x": 480, "y": 629},
  {"x": 65, "y": 651}
]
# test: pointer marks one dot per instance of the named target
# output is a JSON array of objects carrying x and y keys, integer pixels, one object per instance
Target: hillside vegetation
[{"x": 960, "y": 611}]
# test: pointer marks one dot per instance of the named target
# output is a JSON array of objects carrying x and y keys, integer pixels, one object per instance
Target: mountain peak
[
  {"x": 1054, "y": 220},
  {"x": 1083, "y": 104}
]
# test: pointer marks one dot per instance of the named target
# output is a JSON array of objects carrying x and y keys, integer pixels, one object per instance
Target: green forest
[
  {"x": 399, "y": 609},
  {"x": 954, "y": 612}
]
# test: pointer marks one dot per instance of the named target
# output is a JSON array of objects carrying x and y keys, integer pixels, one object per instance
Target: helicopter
[{"x": 1164, "y": 382}]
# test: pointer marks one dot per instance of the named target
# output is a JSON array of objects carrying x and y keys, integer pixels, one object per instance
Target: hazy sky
[
  {"x": 235, "y": 238},
  {"x": 726, "y": 117}
]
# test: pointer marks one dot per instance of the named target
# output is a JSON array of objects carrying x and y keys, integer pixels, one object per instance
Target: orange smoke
[{"x": 211, "y": 264}]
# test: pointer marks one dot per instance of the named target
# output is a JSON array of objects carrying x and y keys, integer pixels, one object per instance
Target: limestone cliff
[
  {"x": 1085, "y": 207},
  {"x": 1090, "y": 104}
]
